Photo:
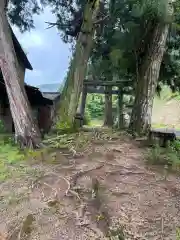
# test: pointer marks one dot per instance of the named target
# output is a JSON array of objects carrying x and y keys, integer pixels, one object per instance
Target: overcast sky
[{"x": 47, "y": 53}]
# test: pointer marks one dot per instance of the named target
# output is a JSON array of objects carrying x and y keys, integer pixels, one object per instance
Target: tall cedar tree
[
  {"x": 26, "y": 131},
  {"x": 78, "y": 25}
]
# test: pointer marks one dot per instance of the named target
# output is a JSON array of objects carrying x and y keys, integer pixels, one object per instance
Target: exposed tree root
[
  {"x": 96, "y": 230},
  {"x": 123, "y": 172},
  {"x": 116, "y": 193},
  {"x": 28, "y": 142},
  {"x": 81, "y": 173},
  {"x": 117, "y": 150},
  {"x": 74, "y": 193}
]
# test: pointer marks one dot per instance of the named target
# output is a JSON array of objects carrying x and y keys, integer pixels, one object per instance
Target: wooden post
[
  {"x": 83, "y": 101},
  {"x": 108, "y": 119},
  {"x": 120, "y": 109}
]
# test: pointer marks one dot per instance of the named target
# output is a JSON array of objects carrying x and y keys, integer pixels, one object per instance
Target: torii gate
[{"x": 91, "y": 87}]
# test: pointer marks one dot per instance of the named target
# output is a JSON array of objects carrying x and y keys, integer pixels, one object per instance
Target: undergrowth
[
  {"x": 13, "y": 160},
  {"x": 169, "y": 157},
  {"x": 9, "y": 155},
  {"x": 178, "y": 234}
]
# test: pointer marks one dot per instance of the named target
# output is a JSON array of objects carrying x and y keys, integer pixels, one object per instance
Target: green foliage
[
  {"x": 64, "y": 127},
  {"x": 169, "y": 157},
  {"x": 21, "y": 13},
  {"x": 68, "y": 16},
  {"x": 95, "y": 105},
  {"x": 177, "y": 233},
  {"x": 9, "y": 156},
  {"x": 117, "y": 233},
  {"x": 87, "y": 117},
  {"x": 121, "y": 51},
  {"x": 154, "y": 155},
  {"x": 13, "y": 160}
]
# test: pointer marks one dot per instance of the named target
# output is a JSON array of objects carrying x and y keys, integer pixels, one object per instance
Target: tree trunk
[
  {"x": 120, "y": 109},
  {"x": 25, "y": 129},
  {"x": 147, "y": 81},
  {"x": 108, "y": 119},
  {"x": 78, "y": 67},
  {"x": 83, "y": 101}
]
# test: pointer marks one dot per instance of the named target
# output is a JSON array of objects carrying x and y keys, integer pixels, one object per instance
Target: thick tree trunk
[
  {"x": 78, "y": 67},
  {"x": 108, "y": 118},
  {"x": 25, "y": 129},
  {"x": 147, "y": 81},
  {"x": 120, "y": 109},
  {"x": 83, "y": 101}
]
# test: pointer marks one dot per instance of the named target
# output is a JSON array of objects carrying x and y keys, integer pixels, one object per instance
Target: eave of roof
[
  {"x": 51, "y": 95},
  {"x": 19, "y": 51}
]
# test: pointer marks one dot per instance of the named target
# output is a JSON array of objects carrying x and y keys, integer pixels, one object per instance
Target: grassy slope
[{"x": 166, "y": 110}]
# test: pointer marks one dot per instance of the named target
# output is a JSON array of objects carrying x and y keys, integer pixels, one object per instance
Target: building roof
[
  {"x": 51, "y": 95},
  {"x": 34, "y": 95},
  {"x": 20, "y": 52}
]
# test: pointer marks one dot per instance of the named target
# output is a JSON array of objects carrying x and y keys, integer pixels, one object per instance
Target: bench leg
[
  {"x": 81, "y": 123},
  {"x": 164, "y": 143},
  {"x": 166, "y": 140},
  {"x": 150, "y": 138}
]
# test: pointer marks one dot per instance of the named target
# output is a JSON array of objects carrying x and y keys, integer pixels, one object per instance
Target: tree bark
[
  {"x": 26, "y": 131},
  {"x": 108, "y": 118},
  {"x": 83, "y": 101},
  {"x": 147, "y": 81},
  {"x": 78, "y": 67}
]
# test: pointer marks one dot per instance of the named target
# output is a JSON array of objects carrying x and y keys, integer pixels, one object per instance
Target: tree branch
[
  {"x": 101, "y": 20},
  {"x": 51, "y": 25}
]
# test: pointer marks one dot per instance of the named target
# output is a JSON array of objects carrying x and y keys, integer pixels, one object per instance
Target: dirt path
[{"x": 82, "y": 197}]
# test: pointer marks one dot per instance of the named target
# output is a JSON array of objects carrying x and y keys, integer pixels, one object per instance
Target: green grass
[
  {"x": 13, "y": 162},
  {"x": 162, "y": 106},
  {"x": 161, "y": 125},
  {"x": 96, "y": 123},
  {"x": 9, "y": 156},
  {"x": 178, "y": 234},
  {"x": 168, "y": 157}
]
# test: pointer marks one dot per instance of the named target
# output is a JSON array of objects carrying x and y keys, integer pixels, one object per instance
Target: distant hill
[{"x": 50, "y": 87}]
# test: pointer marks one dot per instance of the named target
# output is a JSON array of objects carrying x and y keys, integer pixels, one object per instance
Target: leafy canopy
[
  {"x": 122, "y": 50},
  {"x": 20, "y": 13},
  {"x": 121, "y": 41}
]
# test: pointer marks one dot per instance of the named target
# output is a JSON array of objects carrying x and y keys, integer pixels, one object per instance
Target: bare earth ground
[{"x": 64, "y": 201}]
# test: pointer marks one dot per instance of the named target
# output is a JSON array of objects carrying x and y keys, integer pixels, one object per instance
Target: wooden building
[
  {"x": 36, "y": 99},
  {"x": 55, "y": 98}
]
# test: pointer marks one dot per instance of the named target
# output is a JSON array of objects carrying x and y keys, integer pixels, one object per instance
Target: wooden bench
[{"x": 164, "y": 135}]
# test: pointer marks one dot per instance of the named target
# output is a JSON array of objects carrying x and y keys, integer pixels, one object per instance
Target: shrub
[
  {"x": 178, "y": 234},
  {"x": 169, "y": 156},
  {"x": 87, "y": 118}
]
